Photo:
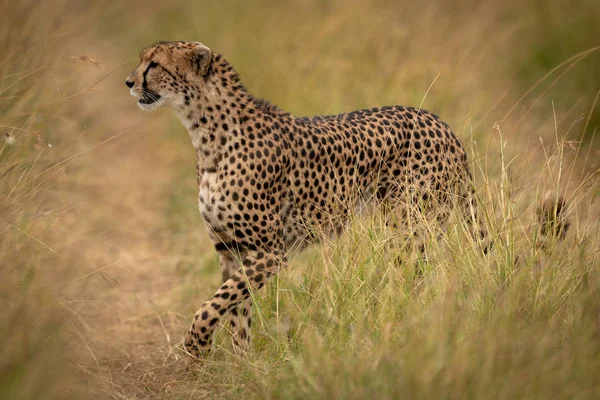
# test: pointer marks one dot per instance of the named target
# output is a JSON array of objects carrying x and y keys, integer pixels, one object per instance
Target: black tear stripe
[
  {"x": 150, "y": 66},
  {"x": 154, "y": 64}
]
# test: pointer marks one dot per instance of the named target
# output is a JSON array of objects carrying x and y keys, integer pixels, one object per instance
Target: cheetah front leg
[
  {"x": 258, "y": 267},
  {"x": 241, "y": 322},
  {"x": 241, "y": 315}
]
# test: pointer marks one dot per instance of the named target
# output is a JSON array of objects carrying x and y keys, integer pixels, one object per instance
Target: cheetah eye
[{"x": 153, "y": 64}]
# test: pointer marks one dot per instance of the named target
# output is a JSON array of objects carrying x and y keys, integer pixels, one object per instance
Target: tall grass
[{"x": 103, "y": 258}]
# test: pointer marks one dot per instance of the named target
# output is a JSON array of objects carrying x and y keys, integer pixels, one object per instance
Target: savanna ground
[{"x": 104, "y": 259}]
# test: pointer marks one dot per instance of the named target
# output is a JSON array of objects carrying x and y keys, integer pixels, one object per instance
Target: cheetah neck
[
  {"x": 215, "y": 115},
  {"x": 210, "y": 127},
  {"x": 212, "y": 122}
]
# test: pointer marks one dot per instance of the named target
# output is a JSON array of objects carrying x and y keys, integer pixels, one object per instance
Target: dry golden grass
[{"x": 104, "y": 259}]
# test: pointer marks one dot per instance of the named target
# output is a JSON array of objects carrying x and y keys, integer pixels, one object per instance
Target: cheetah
[{"x": 269, "y": 181}]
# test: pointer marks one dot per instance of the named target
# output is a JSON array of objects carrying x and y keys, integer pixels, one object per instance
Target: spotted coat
[{"x": 269, "y": 181}]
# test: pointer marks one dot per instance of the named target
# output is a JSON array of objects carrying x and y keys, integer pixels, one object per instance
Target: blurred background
[{"x": 104, "y": 258}]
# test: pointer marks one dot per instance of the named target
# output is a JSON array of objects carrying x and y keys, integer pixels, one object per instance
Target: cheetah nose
[{"x": 129, "y": 84}]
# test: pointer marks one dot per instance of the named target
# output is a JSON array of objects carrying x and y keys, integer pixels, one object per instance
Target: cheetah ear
[{"x": 199, "y": 58}]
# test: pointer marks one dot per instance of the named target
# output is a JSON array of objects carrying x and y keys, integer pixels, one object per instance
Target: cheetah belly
[{"x": 303, "y": 226}]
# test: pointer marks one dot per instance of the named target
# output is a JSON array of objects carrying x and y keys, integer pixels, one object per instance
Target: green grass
[
  {"x": 104, "y": 259},
  {"x": 350, "y": 323}
]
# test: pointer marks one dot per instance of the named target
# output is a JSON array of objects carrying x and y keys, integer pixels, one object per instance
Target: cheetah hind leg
[
  {"x": 477, "y": 229},
  {"x": 412, "y": 230}
]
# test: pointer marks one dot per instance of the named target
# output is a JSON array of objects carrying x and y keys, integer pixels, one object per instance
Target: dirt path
[{"x": 131, "y": 305}]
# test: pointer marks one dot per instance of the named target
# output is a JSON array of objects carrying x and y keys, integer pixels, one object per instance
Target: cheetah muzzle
[{"x": 149, "y": 97}]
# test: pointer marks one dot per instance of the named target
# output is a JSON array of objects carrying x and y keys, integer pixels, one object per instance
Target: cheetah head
[{"x": 168, "y": 74}]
